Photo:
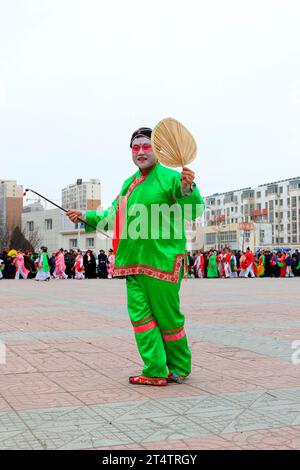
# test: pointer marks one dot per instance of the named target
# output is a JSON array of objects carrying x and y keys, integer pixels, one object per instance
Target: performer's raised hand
[
  {"x": 74, "y": 215},
  {"x": 187, "y": 177}
]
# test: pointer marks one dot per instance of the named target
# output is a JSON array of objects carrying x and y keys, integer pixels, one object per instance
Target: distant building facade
[
  {"x": 11, "y": 204},
  {"x": 83, "y": 195},
  {"x": 276, "y": 204},
  {"x": 235, "y": 236}
]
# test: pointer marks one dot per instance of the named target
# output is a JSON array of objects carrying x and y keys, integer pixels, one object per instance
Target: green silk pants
[{"x": 158, "y": 324}]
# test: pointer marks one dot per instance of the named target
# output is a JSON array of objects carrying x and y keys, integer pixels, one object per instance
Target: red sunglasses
[{"x": 146, "y": 148}]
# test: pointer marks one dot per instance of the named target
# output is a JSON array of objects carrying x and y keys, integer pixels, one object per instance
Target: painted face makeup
[
  {"x": 142, "y": 153},
  {"x": 146, "y": 148}
]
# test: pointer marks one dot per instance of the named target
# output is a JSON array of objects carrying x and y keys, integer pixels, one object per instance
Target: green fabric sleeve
[{"x": 102, "y": 220}]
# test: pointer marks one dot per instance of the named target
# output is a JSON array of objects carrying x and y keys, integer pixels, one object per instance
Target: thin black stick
[{"x": 65, "y": 210}]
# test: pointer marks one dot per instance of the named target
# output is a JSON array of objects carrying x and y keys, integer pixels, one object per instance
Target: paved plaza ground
[{"x": 70, "y": 350}]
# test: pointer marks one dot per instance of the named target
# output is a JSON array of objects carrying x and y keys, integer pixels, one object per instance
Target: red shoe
[
  {"x": 141, "y": 380},
  {"x": 175, "y": 378}
]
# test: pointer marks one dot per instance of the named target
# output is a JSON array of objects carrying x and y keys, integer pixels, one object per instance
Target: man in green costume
[{"x": 149, "y": 242}]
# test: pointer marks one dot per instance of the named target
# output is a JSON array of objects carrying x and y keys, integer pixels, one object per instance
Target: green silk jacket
[
  {"x": 44, "y": 262},
  {"x": 153, "y": 240}
]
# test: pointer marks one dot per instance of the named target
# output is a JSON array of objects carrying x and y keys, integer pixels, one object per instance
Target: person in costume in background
[
  {"x": 226, "y": 268},
  {"x": 20, "y": 267},
  {"x": 89, "y": 262},
  {"x": 267, "y": 263},
  {"x": 9, "y": 271},
  {"x": 73, "y": 255},
  {"x": 190, "y": 265},
  {"x": 281, "y": 261},
  {"x": 43, "y": 273},
  {"x": 152, "y": 265},
  {"x": 102, "y": 265},
  {"x": 233, "y": 266},
  {"x": 261, "y": 264},
  {"x": 60, "y": 266},
  {"x": 205, "y": 256},
  {"x": 51, "y": 261},
  {"x": 250, "y": 263},
  {"x": 111, "y": 263},
  {"x": 29, "y": 264},
  {"x": 243, "y": 265},
  {"x": 297, "y": 255},
  {"x": 78, "y": 267},
  {"x": 199, "y": 266},
  {"x": 220, "y": 264},
  {"x": 238, "y": 255},
  {"x": 2, "y": 266},
  {"x": 68, "y": 263},
  {"x": 296, "y": 263},
  {"x": 212, "y": 266},
  {"x": 275, "y": 270},
  {"x": 288, "y": 262}
]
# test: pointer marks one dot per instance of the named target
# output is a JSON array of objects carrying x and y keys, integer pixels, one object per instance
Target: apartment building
[
  {"x": 11, "y": 204},
  {"x": 83, "y": 195},
  {"x": 276, "y": 203}
]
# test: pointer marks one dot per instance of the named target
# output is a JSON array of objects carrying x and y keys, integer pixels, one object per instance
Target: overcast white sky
[{"x": 77, "y": 77}]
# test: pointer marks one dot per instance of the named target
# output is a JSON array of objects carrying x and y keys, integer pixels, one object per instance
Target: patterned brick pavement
[{"x": 70, "y": 350}]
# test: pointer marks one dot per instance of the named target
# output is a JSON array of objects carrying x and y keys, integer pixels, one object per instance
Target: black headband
[{"x": 141, "y": 132}]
